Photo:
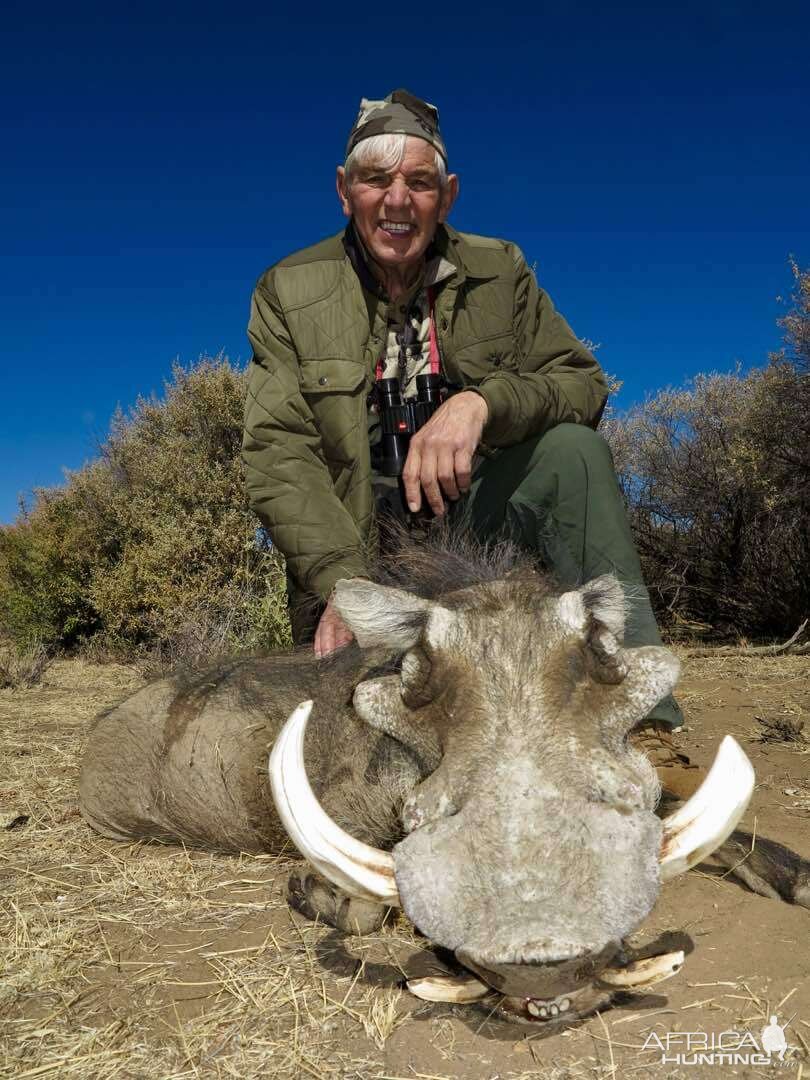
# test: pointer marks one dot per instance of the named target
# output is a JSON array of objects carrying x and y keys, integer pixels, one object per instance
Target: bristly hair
[{"x": 447, "y": 558}]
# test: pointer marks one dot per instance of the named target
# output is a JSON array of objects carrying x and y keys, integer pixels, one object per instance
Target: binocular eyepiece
[{"x": 399, "y": 419}]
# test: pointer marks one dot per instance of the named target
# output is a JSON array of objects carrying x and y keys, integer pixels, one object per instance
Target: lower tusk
[
  {"x": 641, "y": 973},
  {"x": 693, "y": 832},
  {"x": 460, "y": 989},
  {"x": 355, "y": 867}
]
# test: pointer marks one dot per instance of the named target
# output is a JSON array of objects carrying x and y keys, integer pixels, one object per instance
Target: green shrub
[
  {"x": 44, "y": 576},
  {"x": 153, "y": 537}
]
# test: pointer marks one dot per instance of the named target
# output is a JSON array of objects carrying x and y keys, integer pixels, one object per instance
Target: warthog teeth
[
  {"x": 547, "y": 1010},
  {"x": 693, "y": 832},
  {"x": 347, "y": 862},
  {"x": 460, "y": 989},
  {"x": 641, "y": 973}
]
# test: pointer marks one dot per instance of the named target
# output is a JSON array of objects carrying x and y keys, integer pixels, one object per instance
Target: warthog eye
[{"x": 380, "y": 702}]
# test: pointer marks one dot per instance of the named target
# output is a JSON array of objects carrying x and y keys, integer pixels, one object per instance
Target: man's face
[{"x": 396, "y": 213}]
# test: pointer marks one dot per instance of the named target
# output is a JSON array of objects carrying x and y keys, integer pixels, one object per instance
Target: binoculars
[{"x": 399, "y": 419}]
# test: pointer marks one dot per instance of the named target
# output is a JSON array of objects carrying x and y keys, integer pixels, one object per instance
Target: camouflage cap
[{"x": 401, "y": 113}]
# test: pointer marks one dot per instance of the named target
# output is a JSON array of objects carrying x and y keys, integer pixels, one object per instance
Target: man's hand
[
  {"x": 332, "y": 633},
  {"x": 440, "y": 454}
]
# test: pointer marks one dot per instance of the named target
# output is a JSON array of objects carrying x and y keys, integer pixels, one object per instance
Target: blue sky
[{"x": 652, "y": 160}]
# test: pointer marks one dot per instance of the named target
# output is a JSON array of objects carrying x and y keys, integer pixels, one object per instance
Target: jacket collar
[{"x": 476, "y": 263}]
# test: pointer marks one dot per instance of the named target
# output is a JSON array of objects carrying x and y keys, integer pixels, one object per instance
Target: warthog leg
[
  {"x": 317, "y": 899},
  {"x": 767, "y": 868}
]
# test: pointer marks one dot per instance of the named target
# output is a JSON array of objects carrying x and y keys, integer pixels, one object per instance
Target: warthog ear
[
  {"x": 379, "y": 615},
  {"x": 599, "y": 601},
  {"x": 597, "y": 610},
  {"x": 607, "y": 658},
  {"x": 603, "y": 599}
]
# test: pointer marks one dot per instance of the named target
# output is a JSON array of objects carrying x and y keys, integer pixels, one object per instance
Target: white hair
[{"x": 386, "y": 152}]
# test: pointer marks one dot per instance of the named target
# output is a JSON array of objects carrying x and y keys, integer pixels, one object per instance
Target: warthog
[{"x": 467, "y": 760}]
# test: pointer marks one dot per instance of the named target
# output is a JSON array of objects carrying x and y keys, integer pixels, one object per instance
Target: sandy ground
[{"x": 147, "y": 961}]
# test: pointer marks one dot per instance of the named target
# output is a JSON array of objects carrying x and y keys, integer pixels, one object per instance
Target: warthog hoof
[{"x": 318, "y": 899}]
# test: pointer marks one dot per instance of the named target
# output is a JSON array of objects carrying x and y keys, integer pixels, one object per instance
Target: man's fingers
[
  {"x": 440, "y": 455},
  {"x": 323, "y": 639},
  {"x": 411, "y": 478},
  {"x": 446, "y": 473},
  {"x": 462, "y": 463},
  {"x": 430, "y": 484},
  {"x": 332, "y": 633}
]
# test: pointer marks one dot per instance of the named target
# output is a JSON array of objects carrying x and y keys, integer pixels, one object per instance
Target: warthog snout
[
  {"x": 532, "y": 910},
  {"x": 539, "y": 978}
]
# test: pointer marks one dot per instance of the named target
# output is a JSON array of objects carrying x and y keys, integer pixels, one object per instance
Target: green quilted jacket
[{"x": 316, "y": 335}]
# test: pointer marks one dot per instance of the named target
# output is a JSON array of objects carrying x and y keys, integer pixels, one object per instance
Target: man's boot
[{"x": 679, "y": 777}]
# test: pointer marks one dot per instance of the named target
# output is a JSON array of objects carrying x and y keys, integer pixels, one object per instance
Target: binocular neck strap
[{"x": 435, "y": 358}]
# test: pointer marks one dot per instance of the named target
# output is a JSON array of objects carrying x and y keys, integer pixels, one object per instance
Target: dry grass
[
  {"x": 148, "y": 961},
  {"x": 781, "y": 729},
  {"x": 155, "y": 962},
  {"x": 22, "y": 665}
]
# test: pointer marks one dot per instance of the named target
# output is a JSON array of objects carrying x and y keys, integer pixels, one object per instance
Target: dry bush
[
  {"x": 22, "y": 665},
  {"x": 718, "y": 487},
  {"x": 780, "y": 729},
  {"x": 717, "y": 479},
  {"x": 153, "y": 537},
  {"x": 796, "y": 323}
]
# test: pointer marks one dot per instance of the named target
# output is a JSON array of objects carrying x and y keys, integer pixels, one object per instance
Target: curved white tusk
[
  {"x": 709, "y": 817},
  {"x": 639, "y": 973},
  {"x": 461, "y": 989},
  {"x": 347, "y": 862}
]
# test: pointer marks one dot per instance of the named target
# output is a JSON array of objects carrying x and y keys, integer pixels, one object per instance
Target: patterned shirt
[
  {"x": 407, "y": 350},
  {"x": 407, "y": 347}
]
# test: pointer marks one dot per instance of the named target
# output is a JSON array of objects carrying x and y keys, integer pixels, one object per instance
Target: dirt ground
[{"x": 148, "y": 961}]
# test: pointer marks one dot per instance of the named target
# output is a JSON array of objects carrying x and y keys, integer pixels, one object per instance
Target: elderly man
[{"x": 398, "y": 294}]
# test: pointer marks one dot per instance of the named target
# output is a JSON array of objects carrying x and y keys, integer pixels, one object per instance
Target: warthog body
[{"x": 480, "y": 735}]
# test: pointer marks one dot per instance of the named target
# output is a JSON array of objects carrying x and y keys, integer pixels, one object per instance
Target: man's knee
[
  {"x": 570, "y": 462},
  {"x": 567, "y": 440}
]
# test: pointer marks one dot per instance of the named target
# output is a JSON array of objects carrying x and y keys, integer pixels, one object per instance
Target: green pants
[{"x": 557, "y": 496}]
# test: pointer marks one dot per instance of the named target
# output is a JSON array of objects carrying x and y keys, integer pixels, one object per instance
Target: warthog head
[{"x": 532, "y": 848}]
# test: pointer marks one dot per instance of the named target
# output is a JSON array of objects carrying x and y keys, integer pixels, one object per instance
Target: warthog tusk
[
  {"x": 640, "y": 973},
  {"x": 347, "y": 862},
  {"x": 461, "y": 989},
  {"x": 702, "y": 824}
]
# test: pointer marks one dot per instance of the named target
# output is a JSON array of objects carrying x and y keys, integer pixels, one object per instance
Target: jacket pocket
[
  {"x": 334, "y": 391},
  {"x": 337, "y": 375}
]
